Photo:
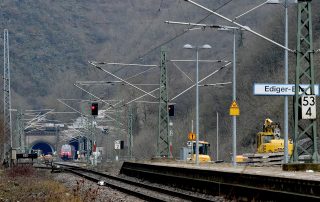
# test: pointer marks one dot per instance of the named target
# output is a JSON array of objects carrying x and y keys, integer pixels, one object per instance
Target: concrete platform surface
[{"x": 273, "y": 171}]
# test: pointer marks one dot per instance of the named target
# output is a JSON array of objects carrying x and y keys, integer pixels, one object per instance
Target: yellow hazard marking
[
  {"x": 234, "y": 109},
  {"x": 191, "y": 136}
]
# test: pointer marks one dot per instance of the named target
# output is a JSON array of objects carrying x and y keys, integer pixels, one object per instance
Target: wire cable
[{"x": 175, "y": 37}]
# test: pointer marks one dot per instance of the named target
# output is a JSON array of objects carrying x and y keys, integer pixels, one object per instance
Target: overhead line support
[
  {"x": 242, "y": 26},
  {"x": 163, "y": 149},
  {"x": 304, "y": 128},
  {"x": 7, "y": 138}
]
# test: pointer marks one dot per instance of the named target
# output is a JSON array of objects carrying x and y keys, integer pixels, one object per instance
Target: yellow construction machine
[
  {"x": 269, "y": 140},
  {"x": 270, "y": 146},
  {"x": 203, "y": 149}
]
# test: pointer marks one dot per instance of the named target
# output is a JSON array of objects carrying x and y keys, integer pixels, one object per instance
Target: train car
[{"x": 67, "y": 152}]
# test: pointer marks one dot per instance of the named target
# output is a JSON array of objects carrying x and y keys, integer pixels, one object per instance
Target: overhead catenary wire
[
  {"x": 250, "y": 10},
  {"x": 216, "y": 71},
  {"x": 141, "y": 96},
  {"x": 201, "y": 25},
  {"x": 142, "y": 101},
  {"x": 243, "y": 27},
  {"x": 37, "y": 110},
  {"x": 140, "y": 73},
  {"x": 130, "y": 84},
  {"x": 82, "y": 113},
  {"x": 82, "y": 100},
  {"x": 62, "y": 112},
  {"x": 110, "y": 105},
  {"x": 205, "y": 61},
  {"x": 150, "y": 23},
  {"x": 84, "y": 83},
  {"x": 93, "y": 95},
  {"x": 164, "y": 44},
  {"x": 134, "y": 100},
  {"x": 182, "y": 71},
  {"x": 124, "y": 64},
  {"x": 215, "y": 84},
  {"x": 70, "y": 107},
  {"x": 177, "y": 36},
  {"x": 37, "y": 118},
  {"x": 208, "y": 61}
]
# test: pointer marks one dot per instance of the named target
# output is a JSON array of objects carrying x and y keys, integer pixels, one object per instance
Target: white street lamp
[{"x": 188, "y": 46}]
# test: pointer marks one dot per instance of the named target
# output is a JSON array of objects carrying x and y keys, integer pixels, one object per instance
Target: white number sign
[
  {"x": 117, "y": 144},
  {"x": 308, "y": 107}
]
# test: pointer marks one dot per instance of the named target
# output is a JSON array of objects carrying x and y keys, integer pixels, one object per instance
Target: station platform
[
  {"x": 272, "y": 171},
  {"x": 269, "y": 183}
]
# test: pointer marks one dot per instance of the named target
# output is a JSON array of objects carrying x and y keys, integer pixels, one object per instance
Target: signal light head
[
  {"x": 171, "y": 110},
  {"x": 94, "y": 109}
]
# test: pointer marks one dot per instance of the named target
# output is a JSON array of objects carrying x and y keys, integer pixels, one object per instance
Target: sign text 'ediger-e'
[{"x": 281, "y": 89}]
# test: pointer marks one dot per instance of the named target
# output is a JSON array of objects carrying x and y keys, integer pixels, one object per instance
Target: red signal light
[{"x": 94, "y": 109}]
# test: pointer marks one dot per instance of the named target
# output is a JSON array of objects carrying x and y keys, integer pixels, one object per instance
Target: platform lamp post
[
  {"x": 285, "y": 3},
  {"x": 197, "y": 48},
  {"x": 234, "y": 87}
]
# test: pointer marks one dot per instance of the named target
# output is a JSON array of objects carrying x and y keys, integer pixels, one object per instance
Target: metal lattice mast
[
  {"x": 7, "y": 97},
  {"x": 305, "y": 136},
  {"x": 163, "y": 136},
  {"x": 130, "y": 138},
  {"x": 20, "y": 131}
]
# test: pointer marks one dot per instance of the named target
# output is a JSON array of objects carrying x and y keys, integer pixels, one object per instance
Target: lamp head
[
  {"x": 188, "y": 46},
  {"x": 206, "y": 46}
]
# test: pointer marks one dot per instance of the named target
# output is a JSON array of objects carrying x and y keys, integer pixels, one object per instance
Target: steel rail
[
  {"x": 122, "y": 189},
  {"x": 168, "y": 192}
]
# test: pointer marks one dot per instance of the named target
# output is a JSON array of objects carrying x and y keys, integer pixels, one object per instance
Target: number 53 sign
[{"x": 308, "y": 107}]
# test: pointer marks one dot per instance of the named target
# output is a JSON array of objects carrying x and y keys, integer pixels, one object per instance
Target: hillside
[{"x": 51, "y": 42}]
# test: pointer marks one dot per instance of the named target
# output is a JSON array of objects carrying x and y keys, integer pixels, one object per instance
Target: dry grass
[
  {"x": 86, "y": 194},
  {"x": 23, "y": 183}
]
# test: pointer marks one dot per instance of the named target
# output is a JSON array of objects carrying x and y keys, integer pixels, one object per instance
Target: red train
[{"x": 67, "y": 152}]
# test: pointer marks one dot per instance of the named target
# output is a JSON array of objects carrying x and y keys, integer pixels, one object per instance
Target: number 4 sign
[{"x": 308, "y": 107}]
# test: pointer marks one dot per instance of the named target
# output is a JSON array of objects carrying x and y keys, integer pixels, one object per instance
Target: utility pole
[
  {"x": 89, "y": 123},
  {"x": 286, "y": 122},
  {"x": 304, "y": 129},
  {"x": 234, "y": 96},
  {"x": 130, "y": 138},
  {"x": 163, "y": 135},
  {"x": 217, "y": 155},
  {"x": 57, "y": 134},
  {"x": 118, "y": 131},
  {"x": 170, "y": 137},
  {"x": 7, "y": 139}
]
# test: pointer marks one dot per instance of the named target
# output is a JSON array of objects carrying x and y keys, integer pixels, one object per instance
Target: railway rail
[
  {"x": 190, "y": 183},
  {"x": 138, "y": 189}
]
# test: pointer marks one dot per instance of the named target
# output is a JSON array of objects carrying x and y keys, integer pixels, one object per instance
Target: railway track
[{"x": 138, "y": 189}]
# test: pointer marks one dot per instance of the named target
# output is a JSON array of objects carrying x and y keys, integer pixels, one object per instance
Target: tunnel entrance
[{"x": 44, "y": 147}]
